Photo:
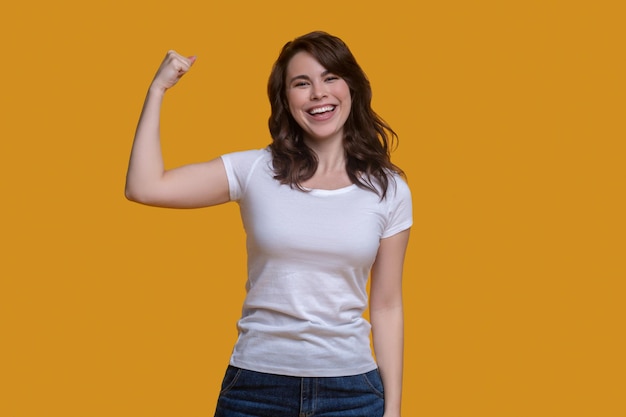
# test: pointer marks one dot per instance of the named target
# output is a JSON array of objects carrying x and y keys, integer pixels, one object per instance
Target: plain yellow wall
[{"x": 511, "y": 124}]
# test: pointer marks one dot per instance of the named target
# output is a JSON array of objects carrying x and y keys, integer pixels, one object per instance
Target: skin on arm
[
  {"x": 387, "y": 317},
  {"x": 147, "y": 182}
]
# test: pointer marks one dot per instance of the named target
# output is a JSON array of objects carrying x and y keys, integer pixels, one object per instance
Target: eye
[
  {"x": 300, "y": 84},
  {"x": 331, "y": 78}
]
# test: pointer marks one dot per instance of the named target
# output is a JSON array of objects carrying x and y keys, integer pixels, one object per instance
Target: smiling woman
[
  {"x": 311, "y": 74},
  {"x": 319, "y": 101},
  {"x": 324, "y": 209}
]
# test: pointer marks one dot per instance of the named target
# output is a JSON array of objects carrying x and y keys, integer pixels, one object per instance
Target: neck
[{"x": 330, "y": 155}]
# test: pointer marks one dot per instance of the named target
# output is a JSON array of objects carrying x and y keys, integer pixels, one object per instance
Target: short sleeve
[
  {"x": 239, "y": 166},
  {"x": 399, "y": 209}
]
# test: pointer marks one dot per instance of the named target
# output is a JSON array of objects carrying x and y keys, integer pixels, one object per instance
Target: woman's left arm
[{"x": 387, "y": 317}]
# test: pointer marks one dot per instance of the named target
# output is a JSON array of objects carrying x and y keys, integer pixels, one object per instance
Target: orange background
[{"x": 511, "y": 124}]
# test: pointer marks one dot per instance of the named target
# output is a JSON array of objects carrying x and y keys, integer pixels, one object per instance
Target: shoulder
[
  {"x": 245, "y": 160},
  {"x": 398, "y": 193},
  {"x": 250, "y": 155},
  {"x": 397, "y": 186},
  {"x": 240, "y": 166},
  {"x": 399, "y": 206}
]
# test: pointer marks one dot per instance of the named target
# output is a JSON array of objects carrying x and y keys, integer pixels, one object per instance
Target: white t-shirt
[{"x": 309, "y": 259}]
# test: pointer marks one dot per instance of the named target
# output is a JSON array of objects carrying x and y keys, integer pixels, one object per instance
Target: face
[{"x": 318, "y": 100}]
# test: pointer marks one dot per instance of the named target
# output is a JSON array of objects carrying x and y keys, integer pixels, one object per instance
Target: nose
[{"x": 318, "y": 91}]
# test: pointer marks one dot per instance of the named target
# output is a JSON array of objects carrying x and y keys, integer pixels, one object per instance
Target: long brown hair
[{"x": 368, "y": 139}]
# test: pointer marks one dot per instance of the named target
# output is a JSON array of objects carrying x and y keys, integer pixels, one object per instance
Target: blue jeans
[{"x": 254, "y": 394}]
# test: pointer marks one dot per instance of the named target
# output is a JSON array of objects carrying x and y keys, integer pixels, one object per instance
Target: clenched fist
[{"x": 173, "y": 67}]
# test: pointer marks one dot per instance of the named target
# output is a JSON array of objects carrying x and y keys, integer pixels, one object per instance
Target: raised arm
[
  {"x": 147, "y": 182},
  {"x": 387, "y": 317}
]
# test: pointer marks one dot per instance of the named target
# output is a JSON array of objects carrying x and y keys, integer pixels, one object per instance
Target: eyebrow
[{"x": 306, "y": 77}]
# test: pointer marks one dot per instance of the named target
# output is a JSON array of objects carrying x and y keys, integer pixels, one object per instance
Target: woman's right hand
[{"x": 173, "y": 67}]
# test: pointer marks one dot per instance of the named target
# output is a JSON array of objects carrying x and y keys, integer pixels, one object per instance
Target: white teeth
[{"x": 322, "y": 109}]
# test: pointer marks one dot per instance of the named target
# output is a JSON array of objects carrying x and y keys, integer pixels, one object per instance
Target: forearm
[
  {"x": 146, "y": 161},
  {"x": 388, "y": 340}
]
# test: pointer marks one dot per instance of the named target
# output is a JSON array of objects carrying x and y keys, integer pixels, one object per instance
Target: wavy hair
[{"x": 368, "y": 139}]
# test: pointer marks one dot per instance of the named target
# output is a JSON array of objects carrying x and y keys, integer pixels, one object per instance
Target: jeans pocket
[
  {"x": 230, "y": 378},
  {"x": 374, "y": 382}
]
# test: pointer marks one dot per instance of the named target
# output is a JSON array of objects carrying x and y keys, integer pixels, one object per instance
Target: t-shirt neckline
[{"x": 336, "y": 191}]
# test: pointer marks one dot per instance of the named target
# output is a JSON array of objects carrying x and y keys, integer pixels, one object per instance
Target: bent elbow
[
  {"x": 132, "y": 194},
  {"x": 129, "y": 195},
  {"x": 148, "y": 196}
]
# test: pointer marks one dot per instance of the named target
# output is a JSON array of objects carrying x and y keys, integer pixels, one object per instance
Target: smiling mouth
[{"x": 321, "y": 110}]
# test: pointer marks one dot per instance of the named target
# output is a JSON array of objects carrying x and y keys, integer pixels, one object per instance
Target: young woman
[{"x": 324, "y": 209}]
